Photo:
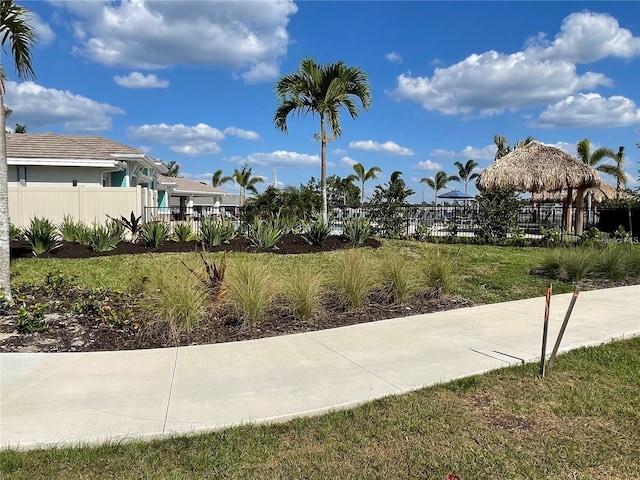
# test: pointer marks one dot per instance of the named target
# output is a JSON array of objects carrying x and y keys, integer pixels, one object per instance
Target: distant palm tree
[
  {"x": 364, "y": 176},
  {"x": 594, "y": 158},
  {"x": 322, "y": 90},
  {"x": 344, "y": 184},
  {"x": 503, "y": 145},
  {"x": 20, "y": 128},
  {"x": 173, "y": 168},
  {"x": 246, "y": 181},
  {"x": 217, "y": 179},
  {"x": 16, "y": 31},
  {"x": 465, "y": 173},
  {"x": 437, "y": 183}
]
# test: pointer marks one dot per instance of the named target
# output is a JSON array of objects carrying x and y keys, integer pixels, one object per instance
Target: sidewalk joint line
[
  {"x": 355, "y": 363},
  {"x": 173, "y": 376}
]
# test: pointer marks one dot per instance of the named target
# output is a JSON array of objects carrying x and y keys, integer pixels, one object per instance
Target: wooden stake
[
  {"x": 562, "y": 329},
  {"x": 545, "y": 328}
]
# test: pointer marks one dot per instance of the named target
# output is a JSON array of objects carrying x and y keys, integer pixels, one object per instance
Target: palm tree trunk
[
  {"x": 5, "y": 253},
  {"x": 323, "y": 169}
]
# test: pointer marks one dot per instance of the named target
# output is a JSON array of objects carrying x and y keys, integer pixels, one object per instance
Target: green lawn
[
  {"x": 487, "y": 274},
  {"x": 580, "y": 422}
]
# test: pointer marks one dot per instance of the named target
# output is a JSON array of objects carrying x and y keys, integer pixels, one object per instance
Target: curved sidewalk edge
[{"x": 79, "y": 398}]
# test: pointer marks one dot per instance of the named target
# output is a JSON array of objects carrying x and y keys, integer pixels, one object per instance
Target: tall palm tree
[
  {"x": 344, "y": 184},
  {"x": 246, "y": 180},
  {"x": 465, "y": 173},
  {"x": 364, "y": 176},
  {"x": 16, "y": 31},
  {"x": 322, "y": 90},
  {"x": 173, "y": 168},
  {"x": 218, "y": 179},
  {"x": 583, "y": 149},
  {"x": 438, "y": 182}
]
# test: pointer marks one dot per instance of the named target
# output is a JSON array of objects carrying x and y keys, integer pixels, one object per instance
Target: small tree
[
  {"x": 390, "y": 211},
  {"x": 497, "y": 214}
]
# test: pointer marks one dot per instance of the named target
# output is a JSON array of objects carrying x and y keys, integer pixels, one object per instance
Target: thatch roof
[
  {"x": 536, "y": 167},
  {"x": 604, "y": 192}
]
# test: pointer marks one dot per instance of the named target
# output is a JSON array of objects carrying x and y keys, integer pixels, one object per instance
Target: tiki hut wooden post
[{"x": 535, "y": 168}]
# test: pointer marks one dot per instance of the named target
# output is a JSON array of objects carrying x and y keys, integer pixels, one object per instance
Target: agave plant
[
  {"x": 316, "y": 231},
  {"x": 216, "y": 232},
  {"x": 183, "y": 232},
  {"x": 153, "y": 234},
  {"x": 42, "y": 235},
  {"x": 357, "y": 230},
  {"x": 265, "y": 233},
  {"x": 103, "y": 238}
]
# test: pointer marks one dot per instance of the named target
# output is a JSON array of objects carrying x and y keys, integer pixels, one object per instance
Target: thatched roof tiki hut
[{"x": 535, "y": 168}]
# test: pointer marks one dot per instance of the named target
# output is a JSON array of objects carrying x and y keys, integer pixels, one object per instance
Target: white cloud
[
  {"x": 339, "y": 151},
  {"x": 244, "y": 134},
  {"x": 485, "y": 153},
  {"x": 278, "y": 158},
  {"x": 347, "y": 161},
  {"x": 541, "y": 73},
  {"x": 44, "y": 34},
  {"x": 427, "y": 165},
  {"x": 140, "y": 80},
  {"x": 393, "y": 57},
  {"x": 38, "y": 106},
  {"x": 200, "y": 139},
  {"x": 589, "y": 110},
  {"x": 387, "y": 147},
  {"x": 441, "y": 153},
  {"x": 586, "y": 37},
  {"x": 246, "y": 37},
  {"x": 567, "y": 147}
]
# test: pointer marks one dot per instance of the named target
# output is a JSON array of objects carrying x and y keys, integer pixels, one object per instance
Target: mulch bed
[{"x": 114, "y": 321}]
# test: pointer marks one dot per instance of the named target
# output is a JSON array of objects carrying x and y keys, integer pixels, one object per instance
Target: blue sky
[{"x": 193, "y": 81}]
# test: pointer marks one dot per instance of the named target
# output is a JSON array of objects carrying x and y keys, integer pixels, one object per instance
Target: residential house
[
  {"x": 85, "y": 177},
  {"x": 187, "y": 199}
]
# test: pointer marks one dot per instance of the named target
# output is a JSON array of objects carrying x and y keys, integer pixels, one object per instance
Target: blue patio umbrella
[{"x": 456, "y": 195}]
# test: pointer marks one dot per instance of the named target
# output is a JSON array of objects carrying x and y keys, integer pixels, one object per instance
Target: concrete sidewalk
[{"x": 66, "y": 398}]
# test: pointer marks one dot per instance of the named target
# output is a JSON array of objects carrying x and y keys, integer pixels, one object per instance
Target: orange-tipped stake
[{"x": 545, "y": 328}]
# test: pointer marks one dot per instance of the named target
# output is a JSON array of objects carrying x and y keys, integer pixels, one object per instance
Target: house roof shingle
[{"x": 53, "y": 145}]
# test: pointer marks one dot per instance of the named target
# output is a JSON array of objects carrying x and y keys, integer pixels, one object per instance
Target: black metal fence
[{"x": 440, "y": 220}]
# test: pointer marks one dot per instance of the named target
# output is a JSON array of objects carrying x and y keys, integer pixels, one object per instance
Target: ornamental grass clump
[
  {"x": 68, "y": 229},
  {"x": 183, "y": 232},
  {"x": 251, "y": 290},
  {"x": 614, "y": 262},
  {"x": 577, "y": 263},
  {"x": 304, "y": 292},
  {"x": 153, "y": 234},
  {"x": 176, "y": 299},
  {"x": 356, "y": 230},
  {"x": 440, "y": 274},
  {"x": 216, "y": 232},
  {"x": 352, "y": 278},
  {"x": 395, "y": 278},
  {"x": 42, "y": 235}
]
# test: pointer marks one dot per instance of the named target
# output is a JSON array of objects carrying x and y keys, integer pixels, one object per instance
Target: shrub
[
  {"x": 132, "y": 224},
  {"x": 352, "y": 278},
  {"x": 593, "y": 237},
  {"x": 356, "y": 230},
  {"x": 176, "y": 299},
  {"x": 68, "y": 228},
  {"x": 216, "y": 232},
  {"x": 251, "y": 290},
  {"x": 183, "y": 232},
  {"x": 497, "y": 214},
  {"x": 265, "y": 233},
  {"x": 440, "y": 275},
  {"x": 42, "y": 235},
  {"x": 316, "y": 231},
  {"x": 550, "y": 236},
  {"x": 395, "y": 278},
  {"x": 31, "y": 320},
  {"x": 16, "y": 234},
  {"x": 103, "y": 238},
  {"x": 153, "y": 234},
  {"x": 304, "y": 292}
]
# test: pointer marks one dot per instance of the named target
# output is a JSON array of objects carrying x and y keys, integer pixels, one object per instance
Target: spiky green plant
[
  {"x": 103, "y": 238},
  {"x": 614, "y": 262},
  {"x": 316, "y": 231},
  {"x": 153, "y": 234},
  {"x": 183, "y": 232},
  {"x": 356, "y": 230},
  {"x": 304, "y": 291},
  {"x": 577, "y": 263},
  {"x": 352, "y": 278},
  {"x": 216, "y": 232},
  {"x": 68, "y": 228},
  {"x": 42, "y": 235},
  {"x": 16, "y": 234},
  {"x": 265, "y": 233},
  {"x": 251, "y": 290}
]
